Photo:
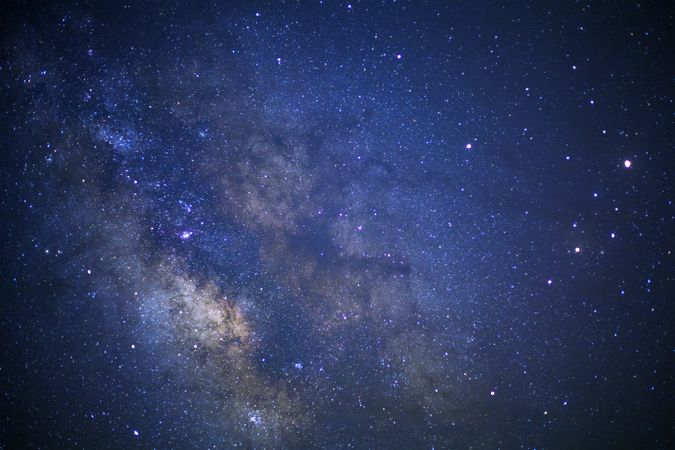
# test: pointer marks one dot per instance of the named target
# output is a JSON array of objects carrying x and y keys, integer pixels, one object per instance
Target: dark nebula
[{"x": 319, "y": 224}]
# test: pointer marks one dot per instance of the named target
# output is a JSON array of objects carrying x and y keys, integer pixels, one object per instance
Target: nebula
[{"x": 326, "y": 225}]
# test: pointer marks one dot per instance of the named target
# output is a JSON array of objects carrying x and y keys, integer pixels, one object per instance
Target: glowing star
[
  {"x": 254, "y": 418},
  {"x": 135, "y": 432},
  {"x": 468, "y": 146},
  {"x": 577, "y": 249},
  {"x": 612, "y": 235},
  {"x": 549, "y": 282},
  {"x": 399, "y": 56},
  {"x": 627, "y": 163},
  {"x": 492, "y": 393},
  {"x": 185, "y": 235}
]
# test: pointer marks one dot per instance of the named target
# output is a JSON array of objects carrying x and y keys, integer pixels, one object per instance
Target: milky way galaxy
[{"x": 317, "y": 224}]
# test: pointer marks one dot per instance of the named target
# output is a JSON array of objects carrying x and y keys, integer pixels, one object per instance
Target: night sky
[{"x": 322, "y": 224}]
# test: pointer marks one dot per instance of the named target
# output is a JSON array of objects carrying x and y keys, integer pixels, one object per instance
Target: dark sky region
[{"x": 323, "y": 224}]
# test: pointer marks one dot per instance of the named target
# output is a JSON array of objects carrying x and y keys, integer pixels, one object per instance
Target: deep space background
[{"x": 324, "y": 224}]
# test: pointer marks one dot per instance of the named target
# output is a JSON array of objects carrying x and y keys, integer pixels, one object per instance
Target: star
[{"x": 292, "y": 227}]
